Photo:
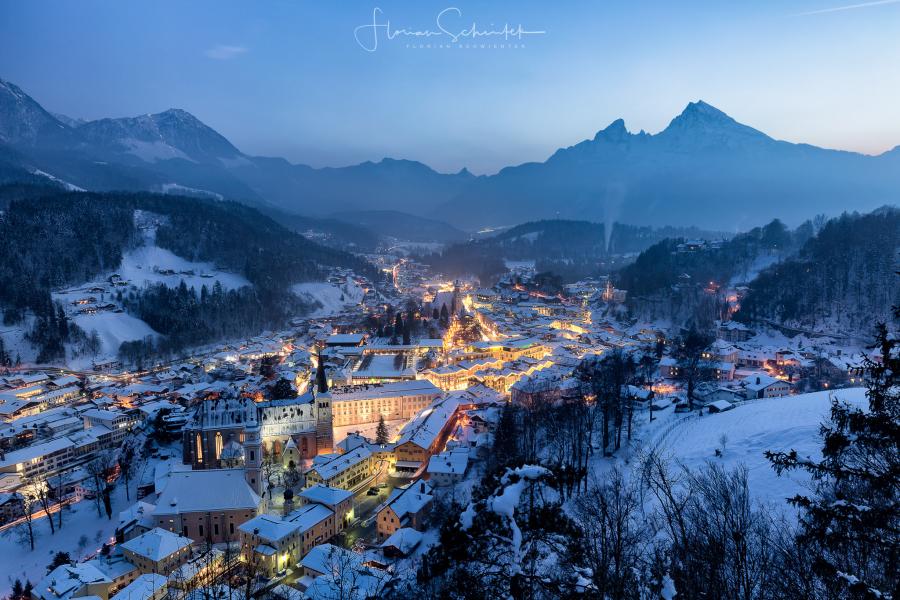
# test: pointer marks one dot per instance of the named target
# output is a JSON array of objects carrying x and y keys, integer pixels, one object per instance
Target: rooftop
[
  {"x": 206, "y": 490},
  {"x": 157, "y": 544}
]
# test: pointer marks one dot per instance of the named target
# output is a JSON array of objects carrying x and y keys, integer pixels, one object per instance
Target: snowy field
[
  {"x": 113, "y": 329},
  {"x": 330, "y": 296},
  {"x": 80, "y": 519},
  {"x": 145, "y": 265},
  {"x": 778, "y": 424}
]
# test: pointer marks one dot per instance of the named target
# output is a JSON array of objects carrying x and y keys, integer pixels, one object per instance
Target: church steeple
[{"x": 321, "y": 381}]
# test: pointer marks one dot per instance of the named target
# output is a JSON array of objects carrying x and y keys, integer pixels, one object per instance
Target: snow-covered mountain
[
  {"x": 25, "y": 123},
  {"x": 173, "y": 134},
  {"x": 704, "y": 169}
]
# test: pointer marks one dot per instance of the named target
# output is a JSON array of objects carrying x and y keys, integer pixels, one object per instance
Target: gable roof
[
  {"x": 206, "y": 490},
  {"x": 157, "y": 544}
]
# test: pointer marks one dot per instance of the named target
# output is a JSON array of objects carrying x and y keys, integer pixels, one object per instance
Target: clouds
[
  {"x": 848, "y": 7},
  {"x": 225, "y": 52}
]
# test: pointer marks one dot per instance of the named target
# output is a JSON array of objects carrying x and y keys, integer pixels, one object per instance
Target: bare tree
[
  {"x": 615, "y": 538},
  {"x": 26, "y": 532},
  {"x": 98, "y": 470},
  {"x": 693, "y": 367},
  {"x": 41, "y": 492}
]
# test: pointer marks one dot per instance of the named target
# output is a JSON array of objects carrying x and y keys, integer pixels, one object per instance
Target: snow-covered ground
[
  {"x": 144, "y": 265},
  {"x": 333, "y": 298},
  {"x": 19, "y": 561},
  {"x": 113, "y": 329},
  {"x": 752, "y": 428},
  {"x": 150, "y": 264},
  {"x": 368, "y": 430}
]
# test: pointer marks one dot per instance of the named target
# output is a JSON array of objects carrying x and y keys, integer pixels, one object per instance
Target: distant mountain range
[{"x": 704, "y": 169}]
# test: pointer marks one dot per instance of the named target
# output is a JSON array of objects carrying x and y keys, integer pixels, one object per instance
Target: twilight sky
[{"x": 289, "y": 78}]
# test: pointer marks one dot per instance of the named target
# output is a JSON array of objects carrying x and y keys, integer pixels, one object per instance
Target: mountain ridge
[{"x": 705, "y": 169}]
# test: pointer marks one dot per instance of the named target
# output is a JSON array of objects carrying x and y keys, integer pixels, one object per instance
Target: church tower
[
  {"x": 253, "y": 457},
  {"x": 322, "y": 399}
]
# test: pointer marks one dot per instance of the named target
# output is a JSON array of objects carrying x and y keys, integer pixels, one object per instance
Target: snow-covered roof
[
  {"x": 144, "y": 587},
  {"x": 325, "y": 557},
  {"x": 761, "y": 382},
  {"x": 450, "y": 463},
  {"x": 426, "y": 426},
  {"x": 66, "y": 581},
  {"x": 157, "y": 544},
  {"x": 341, "y": 462},
  {"x": 206, "y": 490},
  {"x": 404, "y": 540},
  {"x": 409, "y": 500},
  {"x": 323, "y": 494},
  {"x": 721, "y": 405},
  {"x": 415, "y": 387}
]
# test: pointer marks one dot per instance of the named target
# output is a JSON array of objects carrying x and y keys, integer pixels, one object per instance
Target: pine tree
[
  {"x": 852, "y": 521},
  {"x": 17, "y": 590},
  {"x": 381, "y": 432}
]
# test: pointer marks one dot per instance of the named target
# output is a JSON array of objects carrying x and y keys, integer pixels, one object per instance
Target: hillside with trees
[
  {"x": 570, "y": 249},
  {"x": 842, "y": 278},
  {"x": 51, "y": 238}
]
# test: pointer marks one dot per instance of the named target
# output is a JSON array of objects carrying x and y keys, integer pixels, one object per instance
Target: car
[{"x": 373, "y": 491}]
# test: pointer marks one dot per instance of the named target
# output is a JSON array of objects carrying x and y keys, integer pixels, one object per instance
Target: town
[
  {"x": 519, "y": 301},
  {"x": 275, "y": 465}
]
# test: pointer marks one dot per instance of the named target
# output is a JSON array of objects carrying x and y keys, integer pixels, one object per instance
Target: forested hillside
[
  {"x": 667, "y": 262},
  {"x": 50, "y": 239},
  {"x": 570, "y": 249},
  {"x": 844, "y": 277}
]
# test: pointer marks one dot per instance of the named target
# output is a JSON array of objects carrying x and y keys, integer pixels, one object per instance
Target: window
[
  {"x": 185, "y": 532},
  {"x": 201, "y": 528},
  {"x": 216, "y": 529},
  {"x": 231, "y": 528}
]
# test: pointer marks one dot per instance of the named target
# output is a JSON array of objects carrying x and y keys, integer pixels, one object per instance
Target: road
[{"x": 364, "y": 508}]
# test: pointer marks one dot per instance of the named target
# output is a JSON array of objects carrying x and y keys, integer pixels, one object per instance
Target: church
[{"x": 237, "y": 432}]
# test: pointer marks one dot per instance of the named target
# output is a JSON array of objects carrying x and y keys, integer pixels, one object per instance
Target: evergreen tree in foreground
[
  {"x": 381, "y": 432},
  {"x": 852, "y": 522}
]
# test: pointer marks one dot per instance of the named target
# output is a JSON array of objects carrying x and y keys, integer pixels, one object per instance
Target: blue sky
[{"x": 288, "y": 78}]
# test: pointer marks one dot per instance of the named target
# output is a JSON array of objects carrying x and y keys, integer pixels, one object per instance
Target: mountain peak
[
  {"x": 614, "y": 132},
  {"x": 702, "y": 121},
  {"x": 701, "y": 112}
]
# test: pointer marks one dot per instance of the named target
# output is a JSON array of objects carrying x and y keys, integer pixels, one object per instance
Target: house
[
  {"x": 733, "y": 331},
  {"x": 327, "y": 571},
  {"x": 448, "y": 468},
  {"x": 718, "y": 406},
  {"x": 405, "y": 507},
  {"x": 135, "y": 520},
  {"x": 765, "y": 386},
  {"x": 207, "y": 505},
  {"x": 117, "y": 569},
  {"x": 157, "y": 551},
  {"x": 341, "y": 340},
  {"x": 73, "y": 581},
  {"x": 401, "y": 542},
  {"x": 427, "y": 432},
  {"x": 10, "y": 507},
  {"x": 349, "y": 471},
  {"x": 338, "y": 500},
  {"x": 150, "y": 586},
  {"x": 668, "y": 368},
  {"x": 276, "y": 543}
]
